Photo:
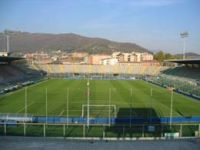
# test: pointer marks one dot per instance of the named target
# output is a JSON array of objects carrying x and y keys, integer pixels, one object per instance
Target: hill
[
  {"x": 189, "y": 55},
  {"x": 25, "y": 41}
]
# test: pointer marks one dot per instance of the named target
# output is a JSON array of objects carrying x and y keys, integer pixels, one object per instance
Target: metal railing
[{"x": 101, "y": 131}]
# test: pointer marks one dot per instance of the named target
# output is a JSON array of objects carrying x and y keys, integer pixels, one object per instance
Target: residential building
[
  {"x": 95, "y": 59},
  {"x": 109, "y": 61}
]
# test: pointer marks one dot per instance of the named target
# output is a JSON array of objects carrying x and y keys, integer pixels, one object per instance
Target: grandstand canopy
[
  {"x": 186, "y": 61},
  {"x": 4, "y": 59}
]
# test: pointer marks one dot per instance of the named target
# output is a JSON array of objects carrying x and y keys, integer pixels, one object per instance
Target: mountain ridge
[{"x": 70, "y": 42}]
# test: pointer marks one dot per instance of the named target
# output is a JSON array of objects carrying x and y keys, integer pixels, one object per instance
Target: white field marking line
[
  {"x": 61, "y": 113},
  {"x": 38, "y": 83},
  {"x": 24, "y": 107},
  {"x": 75, "y": 110}
]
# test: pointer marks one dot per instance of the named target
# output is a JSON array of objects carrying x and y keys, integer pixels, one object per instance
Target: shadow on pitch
[{"x": 135, "y": 122}]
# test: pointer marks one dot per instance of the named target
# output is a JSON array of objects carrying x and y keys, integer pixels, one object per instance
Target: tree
[
  {"x": 159, "y": 56},
  {"x": 169, "y": 56}
]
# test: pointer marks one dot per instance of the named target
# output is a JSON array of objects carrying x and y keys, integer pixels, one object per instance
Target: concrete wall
[{"x": 103, "y": 69}]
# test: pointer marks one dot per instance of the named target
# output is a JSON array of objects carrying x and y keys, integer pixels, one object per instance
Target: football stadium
[
  {"x": 99, "y": 74},
  {"x": 99, "y": 101}
]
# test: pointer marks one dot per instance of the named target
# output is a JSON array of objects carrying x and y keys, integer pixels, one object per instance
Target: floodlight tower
[
  {"x": 184, "y": 35},
  {"x": 7, "y": 43}
]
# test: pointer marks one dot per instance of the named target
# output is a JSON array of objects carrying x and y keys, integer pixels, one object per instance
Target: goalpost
[{"x": 98, "y": 108}]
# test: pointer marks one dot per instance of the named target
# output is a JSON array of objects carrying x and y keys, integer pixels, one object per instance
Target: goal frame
[{"x": 109, "y": 106}]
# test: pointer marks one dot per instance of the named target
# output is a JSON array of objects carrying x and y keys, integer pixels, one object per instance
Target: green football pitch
[{"x": 68, "y": 97}]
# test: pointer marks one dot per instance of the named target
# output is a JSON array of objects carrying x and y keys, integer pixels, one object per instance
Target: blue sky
[{"x": 153, "y": 24}]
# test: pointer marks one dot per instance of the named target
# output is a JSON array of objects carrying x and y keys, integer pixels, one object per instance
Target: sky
[{"x": 153, "y": 24}]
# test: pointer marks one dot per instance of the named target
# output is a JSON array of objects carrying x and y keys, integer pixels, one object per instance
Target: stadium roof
[
  {"x": 185, "y": 61},
  {"x": 4, "y": 59}
]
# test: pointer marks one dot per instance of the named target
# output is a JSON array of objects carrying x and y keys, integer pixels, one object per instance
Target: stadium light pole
[
  {"x": 171, "y": 108},
  {"x": 25, "y": 108},
  {"x": 109, "y": 104},
  {"x": 151, "y": 112},
  {"x": 8, "y": 43},
  {"x": 130, "y": 123},
  {"x": 184, "y": 35},
  {"x": 151, "y": 92},
  {"x": 46, "y": 106},
  {"x": 25, "y": 102},
  {"x": 67, "y": 107},
  {"x": 88, "y": 103}
]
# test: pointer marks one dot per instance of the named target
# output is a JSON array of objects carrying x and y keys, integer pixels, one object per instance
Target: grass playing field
[{"x": 136, "y": 95}]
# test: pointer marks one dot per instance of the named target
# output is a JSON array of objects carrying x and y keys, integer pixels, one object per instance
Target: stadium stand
[
  {"x": 14, "y": 75},
  {"x": 183, "y": 72},
  {"x": 101, "y": 69},
  {"x": 10, "y": 73},
  {"x": 185, "y": 78}
]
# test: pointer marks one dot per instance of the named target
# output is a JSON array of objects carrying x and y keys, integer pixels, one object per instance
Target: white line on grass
[
  {"x": 38, "y": 83},
  {"x": 61, "y": 113},
  {"x": 24, "y": 107}
]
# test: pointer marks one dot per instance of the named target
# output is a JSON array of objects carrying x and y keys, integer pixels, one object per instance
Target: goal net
[{"x": 98, "y": 111}]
